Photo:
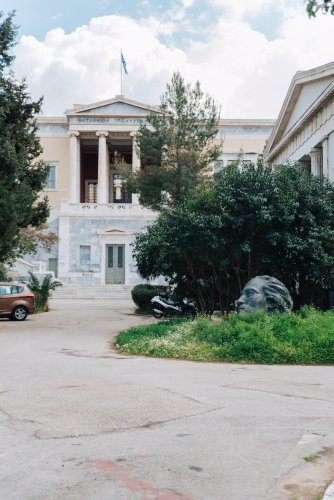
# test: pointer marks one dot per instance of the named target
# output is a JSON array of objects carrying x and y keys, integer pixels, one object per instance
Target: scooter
[{"x": 163, "y": 306}]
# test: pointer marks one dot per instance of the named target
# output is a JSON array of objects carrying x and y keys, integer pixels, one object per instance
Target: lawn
[{"x": 306, "y": 338}]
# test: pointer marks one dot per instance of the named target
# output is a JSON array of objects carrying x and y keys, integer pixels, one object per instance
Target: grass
[
  {"x": 306, "y": 338},
  {"x": 312, "y": 458}
]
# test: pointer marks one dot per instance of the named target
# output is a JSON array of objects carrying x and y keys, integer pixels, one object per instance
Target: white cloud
[
  {"x": 157, "y": 27},
  {"x": 84, "y": 66},
  {"x": 247, "y": 73}
]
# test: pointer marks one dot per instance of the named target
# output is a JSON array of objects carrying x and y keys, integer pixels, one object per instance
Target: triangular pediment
[
  {"x": 306, "y": 92},
  {"x": 118, "y": 106},
  {"x": 117, "y": 231}
]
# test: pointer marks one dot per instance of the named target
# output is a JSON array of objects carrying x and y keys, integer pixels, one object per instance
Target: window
[
  {"x": 218, "y": 166},
  {"x": 10, "y": 289},
  {"x": 51, "y": 180},
  {"x": 90, "y": 191},
  {"x": 119, "y": 193},
  {"x": 85, "y": 256},
  {"x": 120, "y": 256}
]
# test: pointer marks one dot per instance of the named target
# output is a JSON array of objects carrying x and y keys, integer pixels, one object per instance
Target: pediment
[
  {"x": 119, "y": 106},
  {"x": 117, "y": 231},
  {"x": 306, "y": 92}
]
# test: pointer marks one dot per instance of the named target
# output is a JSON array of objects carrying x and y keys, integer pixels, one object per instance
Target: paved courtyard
[{"x": 80, "y": 421}]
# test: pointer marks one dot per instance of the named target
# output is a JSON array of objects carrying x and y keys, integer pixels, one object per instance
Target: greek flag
[{"x": 124, "y": 63}]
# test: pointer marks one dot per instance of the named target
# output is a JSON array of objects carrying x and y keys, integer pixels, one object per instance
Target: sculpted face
[
  {"x": 264, "y": 292},
  {"x": 252, "y": 298}
]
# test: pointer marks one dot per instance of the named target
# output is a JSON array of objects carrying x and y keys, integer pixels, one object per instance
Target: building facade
[
  {"x": 304, "y": 130},
  {"x": 93, "y": 215}
]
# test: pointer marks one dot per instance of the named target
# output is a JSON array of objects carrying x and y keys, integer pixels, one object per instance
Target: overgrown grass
[{"x": 306, "y": 338}]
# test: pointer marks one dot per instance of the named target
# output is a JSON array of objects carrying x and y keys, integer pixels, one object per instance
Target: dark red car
[{"x": 16, "y": 300}]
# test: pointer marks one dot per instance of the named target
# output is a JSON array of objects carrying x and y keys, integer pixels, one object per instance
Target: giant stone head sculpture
[{"x": 264, "y": 292}]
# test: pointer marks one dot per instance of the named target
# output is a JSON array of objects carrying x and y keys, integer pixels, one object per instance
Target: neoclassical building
[
  {"x": 93, "y": 215},
  {"x": 304, "y": 130}
]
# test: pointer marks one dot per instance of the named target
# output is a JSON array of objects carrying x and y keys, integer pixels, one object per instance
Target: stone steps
[{"x": 79, "y": 291}]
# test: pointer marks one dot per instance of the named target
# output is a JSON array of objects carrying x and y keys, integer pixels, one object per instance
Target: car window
[{"x": 10, "y": 289}]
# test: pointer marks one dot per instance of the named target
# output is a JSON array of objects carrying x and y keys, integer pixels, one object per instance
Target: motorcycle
[{"x": 163, "y": 306}]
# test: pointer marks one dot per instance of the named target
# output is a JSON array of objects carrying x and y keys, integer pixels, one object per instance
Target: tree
[
  {"x": 42, "y": 290},
  {"x": 314, "y": 6},
  {"x": 177, "y": 145},
  {"x": 252, "y": 221},
  {"x": 22, "y": 176}
]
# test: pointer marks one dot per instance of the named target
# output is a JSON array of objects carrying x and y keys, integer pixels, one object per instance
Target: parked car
[{"x": 16, "y": 300}]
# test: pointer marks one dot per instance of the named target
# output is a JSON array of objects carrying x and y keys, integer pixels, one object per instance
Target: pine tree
[
  {"x": 22, "y": 175},
  {"x": 177, "y": 145}
]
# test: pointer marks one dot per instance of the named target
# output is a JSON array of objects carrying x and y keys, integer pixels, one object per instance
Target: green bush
[
  {"x": 306, "y": 338},
  {"x": 142, "y": 295}
]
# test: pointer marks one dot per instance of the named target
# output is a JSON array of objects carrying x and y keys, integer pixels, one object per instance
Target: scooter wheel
[
  {"x": 190, "y": 314},
  {"x": 157, "y": 315}
]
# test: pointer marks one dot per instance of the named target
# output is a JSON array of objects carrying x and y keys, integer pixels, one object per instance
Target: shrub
[
  {"x": 42, "y": 290},
  {"x": 142, "y": 294}
]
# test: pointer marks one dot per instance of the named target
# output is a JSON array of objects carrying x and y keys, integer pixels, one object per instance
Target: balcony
[{"x": 127, "y": 210}]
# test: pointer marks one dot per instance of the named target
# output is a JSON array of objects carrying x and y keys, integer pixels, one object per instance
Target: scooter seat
[{"x": 169, "y": 302}]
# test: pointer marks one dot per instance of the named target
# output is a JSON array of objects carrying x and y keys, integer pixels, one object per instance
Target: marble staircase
[{"x": 91, "y": 291}]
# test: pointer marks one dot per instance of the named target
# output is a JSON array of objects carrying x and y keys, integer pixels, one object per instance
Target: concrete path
[{"x": 79, "y": 421}]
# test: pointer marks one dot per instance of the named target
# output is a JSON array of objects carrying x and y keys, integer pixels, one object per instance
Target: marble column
[
  {"x": 74, "y": 166},
  {"x": 103, "y": 170},
  {"x": 135, "y": 163},
  {"x": 330, "y": 157},
  {"x": 316, "y": 161},
  {"x": 325, "y": 157}
]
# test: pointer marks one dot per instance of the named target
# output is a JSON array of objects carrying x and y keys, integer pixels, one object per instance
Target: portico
[
  {"x": 304, "y": 131},
  {"x": 95, "y": 159}
]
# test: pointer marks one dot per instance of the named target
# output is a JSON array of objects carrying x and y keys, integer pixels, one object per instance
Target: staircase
[{"x": 89, "y": 291}]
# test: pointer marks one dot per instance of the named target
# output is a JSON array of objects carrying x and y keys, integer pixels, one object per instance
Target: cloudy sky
[{"x": 244, "y": 52}]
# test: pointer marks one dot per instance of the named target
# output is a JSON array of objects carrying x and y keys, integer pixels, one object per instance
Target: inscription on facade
[{"x": 107, "y": 120}]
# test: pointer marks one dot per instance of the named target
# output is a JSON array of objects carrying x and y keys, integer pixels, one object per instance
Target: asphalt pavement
[{"x": 80, "y": 421}]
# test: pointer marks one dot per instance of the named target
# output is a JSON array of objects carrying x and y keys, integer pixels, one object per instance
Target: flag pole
[{"x": 121, "y": 73}]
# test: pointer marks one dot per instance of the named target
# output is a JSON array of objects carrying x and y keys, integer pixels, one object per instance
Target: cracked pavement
[{"x": 80, "y": 421}]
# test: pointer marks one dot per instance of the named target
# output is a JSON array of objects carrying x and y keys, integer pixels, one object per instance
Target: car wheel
[{"x": 19, "y": 313}]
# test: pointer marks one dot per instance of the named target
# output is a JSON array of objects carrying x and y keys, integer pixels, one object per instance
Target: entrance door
[
  {"x": 53, "y": 266},
  {"x": 115, "y": 265}
]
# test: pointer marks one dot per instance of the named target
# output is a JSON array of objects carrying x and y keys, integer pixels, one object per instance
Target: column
[
  {"x": 316, "y": 161},
  {"x": 103, "y": 174},
  {"x": 64, "y": 248},
  {"x": 325, "y": 157},
  {"x": 74, "y": 166},
  {"x": 330, "y": 158},
  {"x": 135, "y": 163}
]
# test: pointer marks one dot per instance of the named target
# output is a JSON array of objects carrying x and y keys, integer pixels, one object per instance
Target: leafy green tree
[
  {"x": 315, "y": 6},
  {"x": 252, "y": 221},
  {"x": 177, "y": 145},
  {"x": 22, "y": 176}
]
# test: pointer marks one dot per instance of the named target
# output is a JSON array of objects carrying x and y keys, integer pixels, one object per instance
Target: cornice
[{"x": 249, "y": 122}]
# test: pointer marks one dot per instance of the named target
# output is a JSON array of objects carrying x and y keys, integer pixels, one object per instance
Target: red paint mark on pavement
[{"x": 120, "y": 473}]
